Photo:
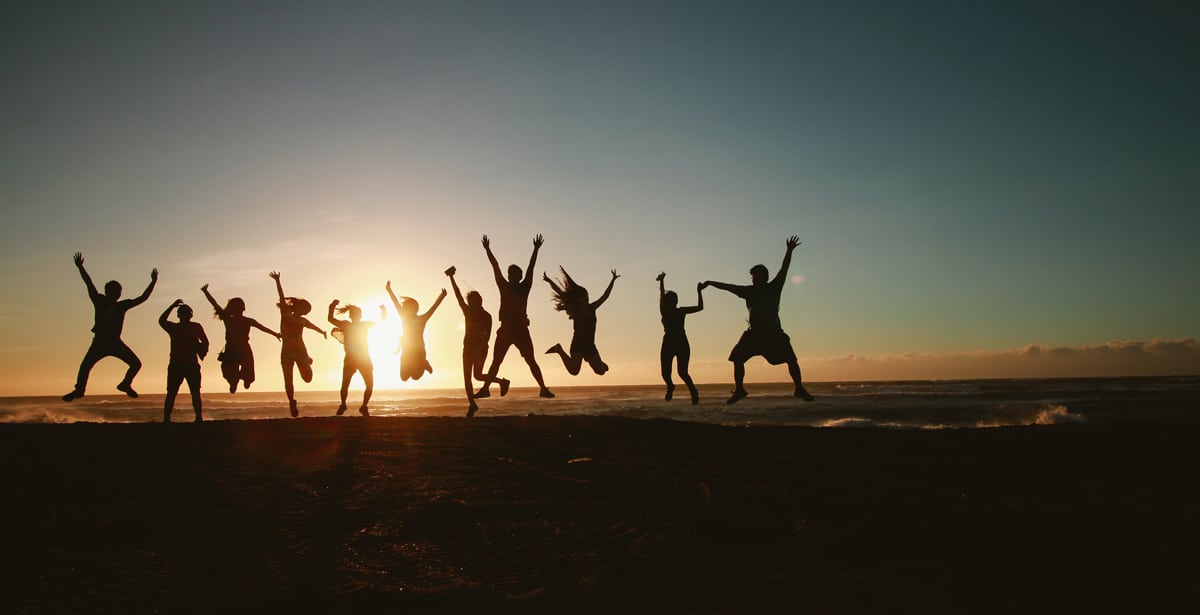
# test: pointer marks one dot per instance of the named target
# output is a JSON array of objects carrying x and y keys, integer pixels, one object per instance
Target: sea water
[{"x": 903, "y": 405}]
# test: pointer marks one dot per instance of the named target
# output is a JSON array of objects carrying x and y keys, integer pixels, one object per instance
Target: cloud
[{"x": 1157, "y": 357}]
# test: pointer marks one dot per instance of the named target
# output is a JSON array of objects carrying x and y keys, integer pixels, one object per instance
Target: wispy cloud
[{"x": 1115, "y": 358}]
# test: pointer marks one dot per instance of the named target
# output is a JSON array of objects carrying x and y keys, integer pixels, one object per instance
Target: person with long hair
[
  {"x": 237, "y": 359},
  {"x": 413, "y": 362},
  {"x": 572, "y": 298},
  {"x": 675, "y": 346},
  {"x": 514, "y": 318},
  {"x": 188, "y": 343},
  {"x": 110, "y": 312},
  {"x": 353, "y": 335},
  {"x": 293, "y": 355},
  {"x": 477, "y": 330}
]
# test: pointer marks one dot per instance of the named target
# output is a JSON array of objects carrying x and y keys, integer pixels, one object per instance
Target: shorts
[{"x": 774, "y": 346}]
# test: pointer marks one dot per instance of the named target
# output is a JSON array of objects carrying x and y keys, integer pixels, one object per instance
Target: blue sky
[{"x": 965, "y": 179}]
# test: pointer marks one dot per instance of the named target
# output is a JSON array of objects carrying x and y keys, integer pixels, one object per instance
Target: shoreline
[{"x": 546, "y": 513}]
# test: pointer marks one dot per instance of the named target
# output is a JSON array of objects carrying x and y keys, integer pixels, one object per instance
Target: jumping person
[
  {"x": 237, "y": 360},
  {"x": 572, "y": 298},
  {"x": 292, "y": 324},
  {"x": 675, "y": 346},
  {"x": 413, "y": 362},
  {"x": 514, "y": 320},
  {"x": 188, "y": 343},
  {"x": 110, "y": 312},
  {"x": 765, "y": 335},
  {"x": 477, "y": 330},
  {"x": 353, "y": 335}
]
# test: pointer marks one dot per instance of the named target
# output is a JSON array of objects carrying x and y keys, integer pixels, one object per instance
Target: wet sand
[{"x": 579, "y": 514}]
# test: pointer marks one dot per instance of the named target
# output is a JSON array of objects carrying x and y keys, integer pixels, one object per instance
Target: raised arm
[
  {"x": 662, "y": 290},
  {"x": 462, "y": 304},
  {"x": 140, "y": 299},
  {"x": 87, "y": 279},
  {"x": 162, "y": 318},
  {"x": 216, "y": 306},
  {"x": 699, "y": 301},
  {"x": 487, "y": 247},
  {"x": 434, "y": 307},
  {"x": 332, "y": 319},
  {"x": 537, "y": 245},
  {"x": 792, "y": 242},
  {"x": 382, "y": 312},
  {"x": 549, "y": 280},
  {"x": 278, "y": 287},
  {"x": 395, "y": 301},
  {"x": 607, "y": 291}
]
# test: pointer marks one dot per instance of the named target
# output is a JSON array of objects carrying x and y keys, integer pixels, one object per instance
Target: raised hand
[
  {"x": 537, "y": 241},
  {"x": 443, "y": 293},
  {"x": 487, "y": 243},
  {"x": 546, "y": 278},
  {"x": 699, "y": 286},
  {"x": 660, "y": 276},
  {"x": 615, "y": 274},
  {"x": 274, "y": 275},
  {"x": 331, "y": 303},
  {"x": 204, "y": 288},
  {"x": 177, "y": 303},
  {"x": 388, "y": 286},
  {"x": 79, "y": 259},
  {"x": 792, "y": 242},
  {"x": 451, "y": 271},
  {"x": 154, "y": 274}
]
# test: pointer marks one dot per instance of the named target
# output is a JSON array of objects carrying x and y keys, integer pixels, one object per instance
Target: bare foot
[{"x": 737, "y": 396}]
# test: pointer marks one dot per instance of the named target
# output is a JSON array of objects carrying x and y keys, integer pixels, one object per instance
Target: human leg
[
  {"x": 684, "y": 358},
  {"x": 368, "y": 376},
  {"x": 126, "y": 354},
  {"x": 739, "y": 388},
  {"x": 502, "y": 344},
  {"x": 347, "y": 373},
  {"x": 524, "y": 344},
  {"x": 801, "y": 392},
  {"x": 93, "y": 355},
  {"x": 174, "y": 379}
]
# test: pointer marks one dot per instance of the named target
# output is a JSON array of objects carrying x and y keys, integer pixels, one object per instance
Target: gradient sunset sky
[{"x": 981, "y": 191}]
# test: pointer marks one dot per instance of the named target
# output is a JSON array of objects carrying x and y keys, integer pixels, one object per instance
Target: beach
[{"x": 591, "y": 514}]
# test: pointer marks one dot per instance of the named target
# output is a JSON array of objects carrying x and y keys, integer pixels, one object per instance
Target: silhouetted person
[
  {"x": 572, "y": 298},
  {"x": 110, "y": 312},
  {"x": 189, "y": 346},
  {"x": 353, "y": 335},
  {"x": 413, "y": 362},
  {"x": 237, "y": 360},
  {"x": 765, "y": 335},
  {"x": 675, "y": 346},
  {"x": 514, "y": 319},
  {"x": 293, "y": 353},
  {"x": 477, "y": 330}
]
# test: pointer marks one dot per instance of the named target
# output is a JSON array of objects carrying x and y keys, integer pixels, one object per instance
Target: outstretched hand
[
  {"x": 79, "y": 259},
  {"x": 792, "y": 242},
  {"x": 537, "y": 241},
  {"x": 700, "y": 286},
  {"x": 660, "y": 276},
  {"x": 388, "y": 286},
  {"x": 615, "y": 274},
  {"x": 334, "y": 303},
  {"x": 487, "y": 243},
  {"x": 204, "y": 288},
  {"x": 546, "y": 277},
  {"x": 443, "y": 293},
  {"x": 154, "y": 274},
  {"x": 274, "y": 275},
  {"x": 451, "y": 271}
]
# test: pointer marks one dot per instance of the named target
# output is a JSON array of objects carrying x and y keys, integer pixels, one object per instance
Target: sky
[{"x": 1006, "y": 189}]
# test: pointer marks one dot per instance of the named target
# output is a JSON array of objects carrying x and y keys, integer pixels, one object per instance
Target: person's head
[
  {"x": 112, "y": 289},
  {"x": 184, "y": 312},
  {"x": 670, "y": 299},
  {"x": 296, "y": 306},
  {"x": 758, "y": 274},
  {"x": 572, "y": 297},
  {"x": 514, "y": 274},
  {"x": 235, "y": 306},
  {"x": 409, "y": 307},
  {"x": 474, "y": 300},
  {"x": 353, "y": 311}
]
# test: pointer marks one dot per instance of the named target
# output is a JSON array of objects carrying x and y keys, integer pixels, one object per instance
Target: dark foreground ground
[{"x": 577, "y": 514}]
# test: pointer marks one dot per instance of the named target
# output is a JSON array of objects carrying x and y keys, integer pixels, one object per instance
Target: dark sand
[{"x": 573, "y": 514}]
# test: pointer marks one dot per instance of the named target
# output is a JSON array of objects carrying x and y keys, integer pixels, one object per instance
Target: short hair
[{"x": 759, "y": 270}]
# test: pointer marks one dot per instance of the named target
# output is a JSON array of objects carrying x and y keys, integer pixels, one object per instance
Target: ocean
[{"x": 897, "y": 405}]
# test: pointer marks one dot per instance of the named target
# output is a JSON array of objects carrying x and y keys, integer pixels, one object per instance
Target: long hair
[
  {"x": 298, "y": 306},
  {"x": 350, "y": 307},
  {"x": 572, "y": 296},
  {"x": 235, "y": 305}
]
